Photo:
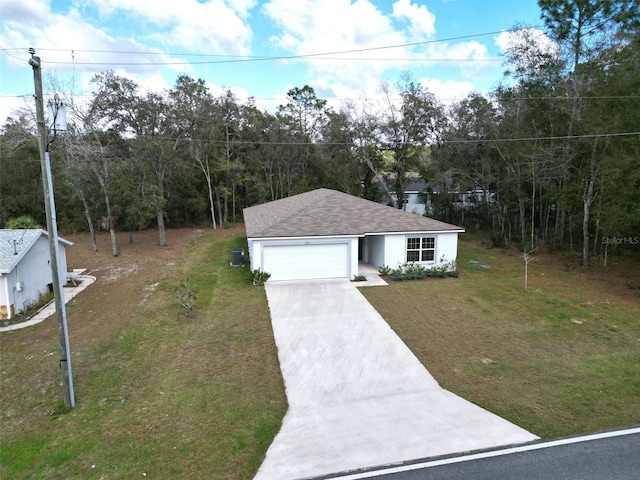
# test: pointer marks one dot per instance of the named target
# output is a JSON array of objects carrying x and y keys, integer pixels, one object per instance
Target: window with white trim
[{"x": 421, "y": 249}]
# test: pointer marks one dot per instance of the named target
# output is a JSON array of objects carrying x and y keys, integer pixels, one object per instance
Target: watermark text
[{"x": 621, "y": 240}]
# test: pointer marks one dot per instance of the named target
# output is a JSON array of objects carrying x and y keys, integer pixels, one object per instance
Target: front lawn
[
  {"x": 158, "y": 396},
  {"x": 561, "y": 358},
  {"x": 161, "y": 396}
]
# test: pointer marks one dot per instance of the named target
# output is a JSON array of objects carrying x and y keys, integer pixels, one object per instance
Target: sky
[{"x": 344, "y": 49}]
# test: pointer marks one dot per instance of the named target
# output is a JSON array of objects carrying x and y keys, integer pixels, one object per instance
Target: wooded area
[{"x": 555, "y": 149}]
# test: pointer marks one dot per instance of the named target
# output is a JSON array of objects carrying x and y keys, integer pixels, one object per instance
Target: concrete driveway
[{"x": 357, "y": 396}]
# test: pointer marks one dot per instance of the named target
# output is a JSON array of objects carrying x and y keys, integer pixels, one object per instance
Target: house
[
  {"x": 415, "y": 193},
  {"x": 418, "y": 194},
  {"x": 325, "y": 234},
  {"x": 25, "y": 270}
]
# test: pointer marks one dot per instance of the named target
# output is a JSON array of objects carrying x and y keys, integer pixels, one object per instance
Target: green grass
[
  {"x": 172, "y": 398},
  {"x": 561, "y": 358},
  {"x": 203, "y": 397}
]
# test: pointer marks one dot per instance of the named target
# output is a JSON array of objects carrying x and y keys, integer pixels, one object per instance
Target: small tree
[{"x": 187, "y": 298}]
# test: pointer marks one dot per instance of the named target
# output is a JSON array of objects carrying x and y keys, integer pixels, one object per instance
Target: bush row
[{"x": 415, "y": 271}]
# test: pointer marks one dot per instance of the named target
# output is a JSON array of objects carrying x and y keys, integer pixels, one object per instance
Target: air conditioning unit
[{"x": 237, "y": 257}]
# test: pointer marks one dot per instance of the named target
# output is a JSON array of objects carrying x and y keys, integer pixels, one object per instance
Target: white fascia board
[
  {"x": 66, "y": 242},
  {"x": 416, "y": 232},
  {"x": 314, "y": 237}
]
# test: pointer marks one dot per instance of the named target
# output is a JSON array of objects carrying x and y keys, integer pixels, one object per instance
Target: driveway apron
[{"x": 358, "y": 397}]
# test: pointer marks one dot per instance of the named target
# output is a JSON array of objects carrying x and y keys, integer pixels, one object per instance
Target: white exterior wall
[
  {"x": 376, "y": 250},
  {"x": 34, "y": 274},
  {"x": 447, "y": 247},
  {"x": 395, "y": 248},
  {"x": 5, "y": 297},
  {"x": 413, "y": 203}
]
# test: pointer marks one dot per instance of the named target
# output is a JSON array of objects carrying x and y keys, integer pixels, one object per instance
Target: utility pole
[{"x": 52, "y": 228}]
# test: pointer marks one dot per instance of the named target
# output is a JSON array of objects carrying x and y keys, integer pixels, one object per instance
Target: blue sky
[{"x": 341, "y": 47}]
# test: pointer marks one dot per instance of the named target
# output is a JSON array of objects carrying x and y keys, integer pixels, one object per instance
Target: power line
[
  {"x": 254, "y": 58},
  {"x": 502, "y": 99},
  {"x": 461, "y": 141}
]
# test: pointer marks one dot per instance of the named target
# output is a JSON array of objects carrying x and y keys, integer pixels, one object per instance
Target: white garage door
[{"x": 296, "y": 262}]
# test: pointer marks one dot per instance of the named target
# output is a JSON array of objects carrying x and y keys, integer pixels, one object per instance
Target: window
[{"x": 421, "y": 249}]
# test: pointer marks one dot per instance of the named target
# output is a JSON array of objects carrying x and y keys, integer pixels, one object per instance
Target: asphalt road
[{"x": 608, "y": 456}]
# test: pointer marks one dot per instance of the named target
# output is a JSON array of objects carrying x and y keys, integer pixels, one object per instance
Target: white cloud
[
  {"x": 526, "y": 43},
  {"x": 422, "y": 21},
  {"x": 68, "y": 43},
  {"x": 508, "y": 38},
  {"x": 209, "y": 27},
  {"x": 448, "y": 91},
  {"x": 9, "y": 106},
  {"x": 216, "y": 90},
  {"x": 30, "y": 12},
  {"x": 313, "y": 27}
]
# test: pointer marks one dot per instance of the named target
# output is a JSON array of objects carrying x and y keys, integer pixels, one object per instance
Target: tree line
[{"x": 554, "y": 149}]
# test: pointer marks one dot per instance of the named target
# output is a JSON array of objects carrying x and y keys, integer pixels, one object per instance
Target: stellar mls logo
[{"x": 621, "y": 240}]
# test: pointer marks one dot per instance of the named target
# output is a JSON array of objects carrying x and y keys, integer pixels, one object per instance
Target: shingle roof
[
  {"x": 14, "y": 244},
  {"x": 325, "y": 212}
]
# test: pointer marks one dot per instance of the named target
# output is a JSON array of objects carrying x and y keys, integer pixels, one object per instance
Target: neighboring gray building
[
  {"x": 325, "y": 233},
  {"x": 25, "y": 269},
  {"x": 417, "y": 198}
]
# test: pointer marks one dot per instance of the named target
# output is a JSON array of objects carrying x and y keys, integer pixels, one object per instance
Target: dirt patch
[
  {"x": 122, "y": 282},
  {"x": 100, "y": 311}
]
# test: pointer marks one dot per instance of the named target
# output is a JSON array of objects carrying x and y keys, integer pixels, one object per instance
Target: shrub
[
  {"x": 187, "y": 298},
  {"x": 359, "y": 278},
  {"x": 416, "y": 271},
  {"x": 259, "y": 277},
  {"x": 24, "y": 221},
  {"x": 384, "y": 270}
]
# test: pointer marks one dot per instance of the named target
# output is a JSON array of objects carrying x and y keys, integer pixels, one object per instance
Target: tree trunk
[
  {"x": 219, "y": 203},
  {"x": 162, "y": 234},
  {"x": 112, "y": 227},
  {"x": 87, "y": 216},
  {"x": 587, "y": 201},
  {"x": 204, "y": 166},
  {"x": 211, "y": 203},
  {"x": 533, "y": 205}
]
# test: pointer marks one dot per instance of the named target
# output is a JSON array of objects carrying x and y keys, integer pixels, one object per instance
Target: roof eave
[{"x": 350, "y": 235}]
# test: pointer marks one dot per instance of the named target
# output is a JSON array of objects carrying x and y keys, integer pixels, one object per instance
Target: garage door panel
[{"x": 308, "y": 261}]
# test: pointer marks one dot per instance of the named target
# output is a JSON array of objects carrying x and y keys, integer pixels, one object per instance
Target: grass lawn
[
  {"x": 165, "y": 397},
  {"x": 156, "y": 394},
  {"x": 561, "y": 358}
]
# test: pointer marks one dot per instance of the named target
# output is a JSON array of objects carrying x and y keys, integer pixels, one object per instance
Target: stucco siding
[
  {"x": 447, "y": 247},
  {"x": 376, "y": 250},
  {"x": 395, "y": 248}
]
